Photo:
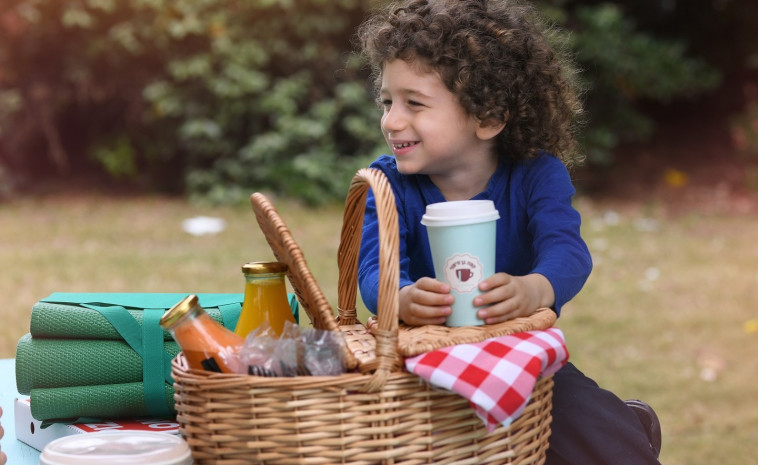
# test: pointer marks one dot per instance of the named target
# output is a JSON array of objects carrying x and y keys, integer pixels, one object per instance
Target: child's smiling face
[{"x": 425, "y": 125}]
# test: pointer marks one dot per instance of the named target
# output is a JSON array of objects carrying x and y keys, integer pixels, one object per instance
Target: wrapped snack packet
[
  {"x": 323, "y": 352},
  {"x": 297, "y": 352},
  {"x": 288, "y": 354},
  {"x": 256, "y": 355}
]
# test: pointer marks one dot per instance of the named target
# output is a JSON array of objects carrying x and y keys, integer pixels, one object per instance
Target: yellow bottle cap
[
  {"x": 179, "y": 311},
  {"x": 264, "y": 268}
]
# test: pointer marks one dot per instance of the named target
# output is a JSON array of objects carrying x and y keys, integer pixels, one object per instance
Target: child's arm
[{"x": 508, "y": 297}]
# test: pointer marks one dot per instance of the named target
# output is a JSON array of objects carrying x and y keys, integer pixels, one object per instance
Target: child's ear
[{"x": 489, "y": 128}]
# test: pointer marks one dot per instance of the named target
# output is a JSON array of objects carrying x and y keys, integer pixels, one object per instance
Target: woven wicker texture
[
  {"x": 381, "y": 415},
  {"x": 231, "y": 419},
  {"x": 414, "y": 340}
]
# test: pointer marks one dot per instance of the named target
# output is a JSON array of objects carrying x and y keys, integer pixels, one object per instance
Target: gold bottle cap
[
  {"x": 176, "y": 313},
  {"x": 264, "y": 267}
]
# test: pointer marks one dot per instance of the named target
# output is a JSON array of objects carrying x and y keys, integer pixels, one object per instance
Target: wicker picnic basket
[{"x": 377, "y": 413}]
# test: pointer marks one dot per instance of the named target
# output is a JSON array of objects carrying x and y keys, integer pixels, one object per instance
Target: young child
[{"x": 478, "y": 105}]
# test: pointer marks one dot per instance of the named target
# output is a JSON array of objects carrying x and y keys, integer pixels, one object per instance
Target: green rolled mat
[
  {"x": 50, "y": 363},
  {"x": 76, "y": 315},
  {"x": 102, "y": 401},
  {"x": 50, "y": 320}
]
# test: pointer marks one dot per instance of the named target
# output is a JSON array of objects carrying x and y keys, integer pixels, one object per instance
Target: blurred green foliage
[
  {"x": 218, "y": 98},
  {"x": 214, "y": 97},
  {"x": 623, "y": 68}
]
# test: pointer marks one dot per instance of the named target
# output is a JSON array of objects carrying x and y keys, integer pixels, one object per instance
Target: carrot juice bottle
[
  {"x": 265, "y": 298},
  {"x": 206, "y": 344}
]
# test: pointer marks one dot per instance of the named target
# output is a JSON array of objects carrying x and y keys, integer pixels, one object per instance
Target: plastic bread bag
[
  {"x": 297, "y": 352},
  {"x": 289, "y": 351},
  {"x": 315, "y": 352},
  {"x": 324, "y": 354},
  {"x": 257, "y": 353}
]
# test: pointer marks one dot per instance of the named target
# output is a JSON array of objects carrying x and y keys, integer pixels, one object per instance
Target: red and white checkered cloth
[{"x": 498, "y": 375}]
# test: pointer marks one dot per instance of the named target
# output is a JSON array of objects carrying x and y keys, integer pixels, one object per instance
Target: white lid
[
  {"x": 117, "y": 448},
  {"x": 459, "y": 212}
]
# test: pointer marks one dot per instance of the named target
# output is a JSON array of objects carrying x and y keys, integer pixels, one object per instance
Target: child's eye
[
  {"x": 414, "y": 103},
  {"x": 385, "y": 102}
]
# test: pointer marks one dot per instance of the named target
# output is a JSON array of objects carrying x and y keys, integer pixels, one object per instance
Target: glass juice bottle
[
  {"x": 206, "y": 344},
  {"x": 265, "y": 298}
]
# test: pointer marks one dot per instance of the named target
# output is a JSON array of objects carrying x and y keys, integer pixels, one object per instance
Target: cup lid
[
  {"x": 117, "y": 448},
  {"x": 459, "y": 212}
]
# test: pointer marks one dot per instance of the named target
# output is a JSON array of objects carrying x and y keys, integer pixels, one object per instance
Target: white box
[{"x": 30, "y": 431}]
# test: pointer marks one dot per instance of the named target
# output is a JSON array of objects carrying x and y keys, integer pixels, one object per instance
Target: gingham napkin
[{"x": 498, "y": 375}]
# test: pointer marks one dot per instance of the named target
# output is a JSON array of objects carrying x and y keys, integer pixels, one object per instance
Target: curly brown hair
[{"x": 496, "y": 56}]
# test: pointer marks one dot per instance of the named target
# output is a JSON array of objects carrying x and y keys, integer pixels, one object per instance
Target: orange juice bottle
[
  {"x": 206, "y": 344},
  {"x": 265, "y": 298}
]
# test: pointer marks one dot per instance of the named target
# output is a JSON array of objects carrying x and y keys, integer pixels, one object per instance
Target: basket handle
[
  {"x": 386, "y": 332},
  {"x": 287, "y": 250}
]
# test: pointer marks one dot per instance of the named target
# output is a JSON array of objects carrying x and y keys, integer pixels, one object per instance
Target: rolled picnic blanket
[
  {"x": 54, "y": 363},
  {"x": 87, "y": 315},
  {"x": 75, "y": 378},
  {"x": 105, "y": 355},
  {"x": 109, "y": 401}
]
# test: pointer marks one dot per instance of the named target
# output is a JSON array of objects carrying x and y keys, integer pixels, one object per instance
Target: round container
[
  {"x": 117, "y": 448},
  {"x": 462, "y": 241}
]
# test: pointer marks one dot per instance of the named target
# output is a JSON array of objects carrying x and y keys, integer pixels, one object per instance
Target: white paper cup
[{"x": 462, "y": 240}]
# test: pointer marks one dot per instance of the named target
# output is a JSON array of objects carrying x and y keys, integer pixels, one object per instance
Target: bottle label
[{"x": 210, "y": 364}]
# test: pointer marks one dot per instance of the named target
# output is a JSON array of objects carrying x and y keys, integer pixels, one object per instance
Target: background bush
[
  {"x": 623, "y": 70},
  {"x": 216, "y": 98}
]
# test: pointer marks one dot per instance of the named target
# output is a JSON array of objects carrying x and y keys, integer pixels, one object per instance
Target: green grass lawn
[{"x": 667, "y": 315}]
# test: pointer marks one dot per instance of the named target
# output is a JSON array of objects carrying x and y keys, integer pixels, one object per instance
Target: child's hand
[
  {"x": 3, "y": 457},
  {"x": 511, "y": 297},
  {"x": 425, "y": 302}
]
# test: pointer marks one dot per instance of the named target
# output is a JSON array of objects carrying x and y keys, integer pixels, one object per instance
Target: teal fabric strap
[
  {"x": 153, "y": 366},
  {"x": 294, "y": 306},
  {"x": 230, "y": 313},
  {"x": 126, "y": 325},
  {"x": 156, "y": 363}
]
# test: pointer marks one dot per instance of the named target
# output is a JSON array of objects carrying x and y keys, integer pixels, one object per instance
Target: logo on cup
[{"x": 463, "y": 272}]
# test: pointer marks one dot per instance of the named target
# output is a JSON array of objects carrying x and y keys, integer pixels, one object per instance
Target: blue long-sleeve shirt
[{"x": 538, "y": 229}]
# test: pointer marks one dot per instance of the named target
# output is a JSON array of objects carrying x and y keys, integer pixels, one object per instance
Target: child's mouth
[
  {"x": 401, "y": 148},
  {"x": 404, "y": 145}
]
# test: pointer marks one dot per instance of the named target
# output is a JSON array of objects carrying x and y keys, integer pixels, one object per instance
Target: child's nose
[{"x": 393, "y": 120}]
